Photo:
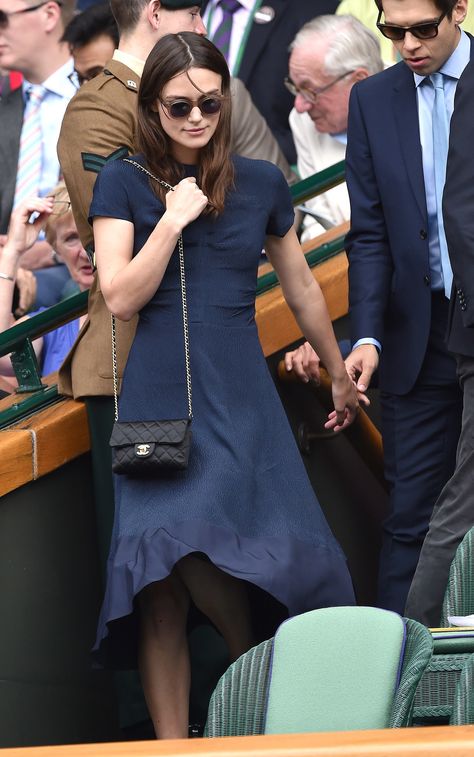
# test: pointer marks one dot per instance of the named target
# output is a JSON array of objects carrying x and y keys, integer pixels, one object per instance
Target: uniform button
[
  {"x": 426, "y": 280},
  {"x": 463, "y": 306},
  {"x": 423, "y": 234}
]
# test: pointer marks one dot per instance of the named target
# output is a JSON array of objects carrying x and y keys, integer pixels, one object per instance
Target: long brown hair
[{"x": 175, "y": 54}]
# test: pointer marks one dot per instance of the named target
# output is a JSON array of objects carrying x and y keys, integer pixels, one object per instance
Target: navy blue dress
[{"x": 245, "y": 500}]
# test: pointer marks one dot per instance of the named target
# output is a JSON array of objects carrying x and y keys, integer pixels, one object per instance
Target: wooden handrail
[
  {"x": 445, "y": 741},
  {"x": 362, "y": 433},
  {"x": 43, "y": 442}
]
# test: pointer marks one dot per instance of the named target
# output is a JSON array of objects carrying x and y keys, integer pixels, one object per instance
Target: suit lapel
[
  {"x": 11, "y": 118},
  {"x": 259, "y": 36},
  {"x": 408, "y": 127}
]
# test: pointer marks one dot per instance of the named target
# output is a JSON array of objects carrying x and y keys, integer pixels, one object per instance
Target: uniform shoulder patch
[{"x": 95, "y": 163}]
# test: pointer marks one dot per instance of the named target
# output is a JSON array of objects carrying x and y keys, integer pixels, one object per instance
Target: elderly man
[{"x": 328, "y": 55}]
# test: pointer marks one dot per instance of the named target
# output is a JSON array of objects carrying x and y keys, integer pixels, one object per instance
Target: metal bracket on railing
[{"x": 26, "y": 368}]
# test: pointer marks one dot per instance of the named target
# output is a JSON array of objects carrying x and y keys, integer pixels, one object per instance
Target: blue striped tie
[
  {"x": 30, "y": 155},
  {"x": 440, "y": 154},
  {"x": 222, "y": 35}
]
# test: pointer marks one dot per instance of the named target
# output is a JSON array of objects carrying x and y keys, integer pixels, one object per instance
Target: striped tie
[
  {"x": 223, "y": 33},
  {"x": 29, "y": 160}
]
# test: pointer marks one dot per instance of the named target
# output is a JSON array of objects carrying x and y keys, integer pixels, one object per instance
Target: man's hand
[
  {"x": 361, "y": 364},
  {"x": 26, "y": 283},
  {"x": 304, "y": 361}
]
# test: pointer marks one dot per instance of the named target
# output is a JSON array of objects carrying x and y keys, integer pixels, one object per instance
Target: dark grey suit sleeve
[
  {"x": 458, "y": 199},
  {"x": 251, "y": 136}
]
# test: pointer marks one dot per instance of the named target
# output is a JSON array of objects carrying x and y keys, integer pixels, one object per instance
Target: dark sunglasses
[
  {"x": 5, "y": 15},
  {"x": 209, "y": 105},
  {"x": 427, "y": 30}
]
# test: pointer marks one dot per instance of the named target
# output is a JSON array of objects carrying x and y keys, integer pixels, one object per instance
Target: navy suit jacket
[
  {"x": 11, "y": 120},
  {"x": 458, "y": 208},
  {"x": 265, "y": 62},
  {"x": 387, "y": 246}
]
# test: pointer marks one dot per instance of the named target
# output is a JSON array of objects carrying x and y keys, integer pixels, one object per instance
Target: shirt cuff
[{"x": 368, "y": 340}]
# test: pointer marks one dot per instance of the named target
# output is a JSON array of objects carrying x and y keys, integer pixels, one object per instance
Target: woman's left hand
[
  {"x": 26, "y": 283},
  {"x": 21, "y": 233},
  {"x": 346, "y": 403}
]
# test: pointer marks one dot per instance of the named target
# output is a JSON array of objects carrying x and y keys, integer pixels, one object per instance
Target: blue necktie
[{"x": 440, "y": 154}]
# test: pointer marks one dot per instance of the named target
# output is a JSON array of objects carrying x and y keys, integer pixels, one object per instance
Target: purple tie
[{"x": 222, "y": 35}]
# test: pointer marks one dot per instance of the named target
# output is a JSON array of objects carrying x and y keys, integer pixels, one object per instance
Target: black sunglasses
[
  {"x": 5, "y": 15},
  {"x": 209, "y": 105},
  {"x": 426, "y": 30}
]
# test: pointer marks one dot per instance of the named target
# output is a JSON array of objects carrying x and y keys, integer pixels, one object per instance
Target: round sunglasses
[{"x": 209, "y": 105}]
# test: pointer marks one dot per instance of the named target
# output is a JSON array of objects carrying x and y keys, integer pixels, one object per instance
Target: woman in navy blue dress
[{"x": 243, "y": 510}]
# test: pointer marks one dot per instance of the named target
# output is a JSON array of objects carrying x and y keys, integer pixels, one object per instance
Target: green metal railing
[{"x": 18, "y": 339}]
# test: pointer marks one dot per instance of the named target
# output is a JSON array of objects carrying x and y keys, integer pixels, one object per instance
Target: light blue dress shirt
[
  {"x": 452, "y": 70},
  {"x": 60, "y": 87}
]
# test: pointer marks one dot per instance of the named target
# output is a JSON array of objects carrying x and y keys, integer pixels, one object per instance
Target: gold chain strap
[{"x": 184, "y": 309}]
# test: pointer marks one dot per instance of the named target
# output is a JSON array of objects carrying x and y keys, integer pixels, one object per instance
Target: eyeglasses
[
  {"x": 5, "y": 15},
  {"x": 311, "y": 95},
  {"x": 60, "y": 207},
  {"x": 209, "y": 105},
  {"x": 426, "y": 30}
]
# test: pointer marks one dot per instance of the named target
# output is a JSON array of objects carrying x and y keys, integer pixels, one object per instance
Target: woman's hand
[
  {"x": 304, "y": 362},
  {"x": 346, "y": 403},
  {"x": 21, "y": 233},
  {"x": 26, "y": 283},
  {"x": 185, "y": 202}
]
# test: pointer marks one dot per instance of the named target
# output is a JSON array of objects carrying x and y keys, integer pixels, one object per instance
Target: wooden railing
[{"x": 448, "y": 741}]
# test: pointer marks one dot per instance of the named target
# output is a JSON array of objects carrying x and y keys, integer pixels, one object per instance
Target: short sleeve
[
  {"x": 111, "y": 193},
  {"x": 281, "y": 215}
]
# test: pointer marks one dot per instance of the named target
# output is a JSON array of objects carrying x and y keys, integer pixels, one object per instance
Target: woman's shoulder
[
  {"x": 256, "y": 170},
  {"x": 121, "y": 167}
]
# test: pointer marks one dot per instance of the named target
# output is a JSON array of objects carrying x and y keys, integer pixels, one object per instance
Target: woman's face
[
  {"x": 68, "y": 246},
  {"x": 192, "y": 132}
]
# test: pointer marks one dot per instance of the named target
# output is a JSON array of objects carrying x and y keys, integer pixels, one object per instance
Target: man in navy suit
[
  {"x": 259, "y": 50},
  {"x": 398, "y": 273},
  {"x": 453, "y": 515}
]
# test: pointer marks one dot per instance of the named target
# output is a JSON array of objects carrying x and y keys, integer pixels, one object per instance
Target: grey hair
[{"x": 351, "y": 44}]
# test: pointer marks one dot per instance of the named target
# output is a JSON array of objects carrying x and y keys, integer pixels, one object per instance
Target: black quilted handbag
[
  {"x": 142, "y": 447},
  {"x": 152, "y": 447}
]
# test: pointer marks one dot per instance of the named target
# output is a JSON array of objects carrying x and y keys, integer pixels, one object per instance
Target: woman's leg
[
  {"x": 163, "y": 656},
  {"x": 222, "y": 598}
]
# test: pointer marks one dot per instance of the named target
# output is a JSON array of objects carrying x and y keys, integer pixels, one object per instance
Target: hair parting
[{"x": 173, "y": 55}]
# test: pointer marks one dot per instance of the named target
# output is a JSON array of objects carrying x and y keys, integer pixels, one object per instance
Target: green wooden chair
[
  {"x": 437, "y": 689},
  {"x": 339, "y": 668},
  {"x": 459, "y": 595},
  {"x": 463, "y": 704}
]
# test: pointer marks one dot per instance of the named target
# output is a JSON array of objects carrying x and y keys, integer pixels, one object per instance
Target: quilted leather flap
[{"x": 162, "y": 432}]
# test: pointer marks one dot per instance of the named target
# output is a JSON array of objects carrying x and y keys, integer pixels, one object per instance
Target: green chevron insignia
[{"x": 95, "y": 163}]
